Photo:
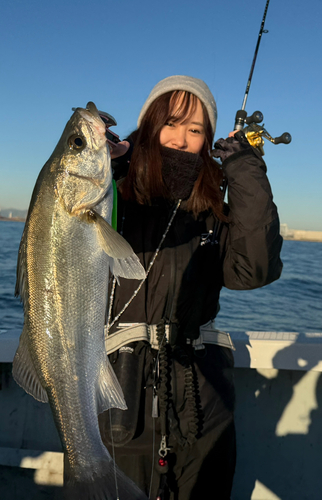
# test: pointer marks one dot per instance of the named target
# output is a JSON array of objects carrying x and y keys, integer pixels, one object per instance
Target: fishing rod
[{"x": 255, "y": 132}]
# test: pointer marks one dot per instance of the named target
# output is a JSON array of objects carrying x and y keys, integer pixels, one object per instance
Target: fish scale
[{"x": 64, "y": 258}]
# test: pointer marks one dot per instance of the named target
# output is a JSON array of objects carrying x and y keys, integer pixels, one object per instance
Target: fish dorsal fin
[
  {"x": 24, "y": 372},
  {"x": 109, "y": 391},
  {"x": 123, "y": 261}
]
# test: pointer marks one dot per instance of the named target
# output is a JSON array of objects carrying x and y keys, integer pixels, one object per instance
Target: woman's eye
[
  {"x": 169, "y": 124},
  {"x": 195, "y": 131}
]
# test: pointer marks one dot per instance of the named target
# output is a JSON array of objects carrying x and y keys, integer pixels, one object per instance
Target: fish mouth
[
  {"x": 92, "y": 116},
  {"x": 90, "y": 106}
]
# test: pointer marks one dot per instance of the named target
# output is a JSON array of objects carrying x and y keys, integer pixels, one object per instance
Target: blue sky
[{"x": 62, "y": 54}]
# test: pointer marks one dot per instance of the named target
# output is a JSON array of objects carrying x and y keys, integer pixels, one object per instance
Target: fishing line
[
  {"x": 113, "y": 456},
  {"x": 153, "y": 450}
]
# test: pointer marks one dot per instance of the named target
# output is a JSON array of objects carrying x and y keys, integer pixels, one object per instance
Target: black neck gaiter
[{"x": 180, "y": 171}]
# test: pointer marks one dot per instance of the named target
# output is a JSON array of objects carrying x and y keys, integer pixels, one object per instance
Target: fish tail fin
[{"x": 112, "y": 485}]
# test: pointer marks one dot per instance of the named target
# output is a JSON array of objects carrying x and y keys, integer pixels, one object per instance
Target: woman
[{"x": 177, "y": 439}]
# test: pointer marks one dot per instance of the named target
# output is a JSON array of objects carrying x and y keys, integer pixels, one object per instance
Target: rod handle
[
  {"x": 283, "y": 139},
  {"x": 240, "y": 119}
]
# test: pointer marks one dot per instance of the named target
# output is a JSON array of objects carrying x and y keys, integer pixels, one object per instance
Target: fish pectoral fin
[
  {"x": 24, "y": 372},
  {"x": 123, "y": 261},
  {"x": 109, "y": 391},
  {"x": 110, "y": 240},
  {"x": 130, "y": 268},
  {"x": 20, "y": 289}
]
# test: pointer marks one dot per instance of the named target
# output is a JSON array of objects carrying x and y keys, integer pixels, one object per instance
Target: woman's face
[{"x": 187, "y": 135}]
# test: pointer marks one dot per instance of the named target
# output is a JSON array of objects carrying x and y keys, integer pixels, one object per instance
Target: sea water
[{"x": 293, "y": 303}]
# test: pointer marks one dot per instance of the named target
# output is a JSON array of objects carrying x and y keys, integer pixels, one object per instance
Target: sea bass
[{"x": 66, "y": 251}]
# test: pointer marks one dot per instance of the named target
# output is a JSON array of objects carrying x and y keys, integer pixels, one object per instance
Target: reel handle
[
  {"x": 256, "y": 117},
  {"x": 242, "y": 118},
  {"x": 283, "y": 139}
]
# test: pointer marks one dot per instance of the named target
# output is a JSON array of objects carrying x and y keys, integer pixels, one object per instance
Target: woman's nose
[{"x": 179, "y": 138}]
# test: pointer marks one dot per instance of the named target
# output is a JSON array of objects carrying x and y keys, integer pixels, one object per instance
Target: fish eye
[{"x": 76, "y": 142}]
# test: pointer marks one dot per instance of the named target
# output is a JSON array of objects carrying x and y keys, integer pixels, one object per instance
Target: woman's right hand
[
  {"x": 236, "y": 142},
  {"x": 118, "y": 149}
]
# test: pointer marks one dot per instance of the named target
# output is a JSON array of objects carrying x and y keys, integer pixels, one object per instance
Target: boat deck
[{"x": 278, "y": 421}]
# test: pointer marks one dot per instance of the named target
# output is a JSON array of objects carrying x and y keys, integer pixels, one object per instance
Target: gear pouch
[{"x": 118, "y": 426}]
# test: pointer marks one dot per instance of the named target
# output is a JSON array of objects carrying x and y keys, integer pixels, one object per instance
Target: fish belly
[{"x": 68, "y": 286}]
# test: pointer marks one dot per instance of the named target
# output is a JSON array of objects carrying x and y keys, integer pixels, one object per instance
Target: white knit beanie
[{"x": 189, "y": 84}]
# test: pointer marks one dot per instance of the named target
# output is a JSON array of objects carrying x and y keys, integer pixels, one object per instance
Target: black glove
[{"x": 227, "y": 147}]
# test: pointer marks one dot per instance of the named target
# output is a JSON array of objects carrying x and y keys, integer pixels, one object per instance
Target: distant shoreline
[
  {"x": 309, "y": 240},
  {"x": 301, "y": 236},
  {"x": 12, "y": 219}
]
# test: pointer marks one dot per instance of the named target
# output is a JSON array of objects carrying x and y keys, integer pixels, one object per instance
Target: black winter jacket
[{"x": 185, "y": 281}]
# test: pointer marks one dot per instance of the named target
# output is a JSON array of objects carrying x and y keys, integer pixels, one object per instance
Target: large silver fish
[{"x": 64, "y": 258}]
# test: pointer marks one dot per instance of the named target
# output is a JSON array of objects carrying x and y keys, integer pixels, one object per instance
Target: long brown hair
[{"x": 144, "y": 181}]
